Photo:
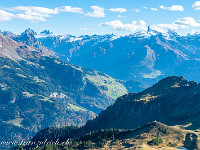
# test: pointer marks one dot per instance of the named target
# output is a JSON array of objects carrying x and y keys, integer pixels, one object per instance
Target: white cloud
[
  {"x": 165, "y": 26},
  {"x": 41, "y": 10},
  {"x": 173, "y": 8},
  {"x": 154, "y": 9},
  {"x": 182, "y": 23},
  {"x": 33, "y": 18},
  {"x": 40, "y": 13},
  {"x": 97, "y": 12},
  {"x": 84, "y": 29},
  {"x": 33, "y": 13},
  {"x": 118, "y": 25},
  {"x": 186, "y": 22},
  {"x": 196, "y": 5},
  {"x": 145, "y": 7},
  {"x": 5, "y": 16},
  {"x": 120, "y": 10},
  {"x": 71, "y": 9}
]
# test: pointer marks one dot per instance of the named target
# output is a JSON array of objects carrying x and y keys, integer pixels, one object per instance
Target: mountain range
[{"x": 143, "y": 56}]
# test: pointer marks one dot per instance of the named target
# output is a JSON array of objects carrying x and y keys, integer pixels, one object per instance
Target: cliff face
[
  {"x": 28, "y": 38},
  {"x": 14, "y": 50},
  {"x": 172, "y": 100}
]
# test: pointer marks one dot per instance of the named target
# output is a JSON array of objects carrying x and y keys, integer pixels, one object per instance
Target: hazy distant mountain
[{"x": 142, "y": 56}]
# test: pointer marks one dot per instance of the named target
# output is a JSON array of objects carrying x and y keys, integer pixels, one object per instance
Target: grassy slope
[
  {"x": 111, "y": 87},
  {"x": 142, "y": 138}
]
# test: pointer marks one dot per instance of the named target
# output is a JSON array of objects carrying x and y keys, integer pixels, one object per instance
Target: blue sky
[{"x": 119, "y": 17}]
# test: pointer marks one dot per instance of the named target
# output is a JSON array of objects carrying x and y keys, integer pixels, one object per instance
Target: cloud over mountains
[
  {"x": 97, "y": 12},
  {"x": 33, "y": 13},
  {"x": 133, "y": 26}
]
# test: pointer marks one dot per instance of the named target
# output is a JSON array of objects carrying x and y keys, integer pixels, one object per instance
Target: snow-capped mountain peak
[{"x": 153, "y": 31}]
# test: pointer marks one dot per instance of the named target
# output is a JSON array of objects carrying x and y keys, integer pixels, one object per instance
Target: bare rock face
[
  {"x": 17, "y": 51},
  {"x": 28, "y": 38},
  {"x": 8, "y": 48}
]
